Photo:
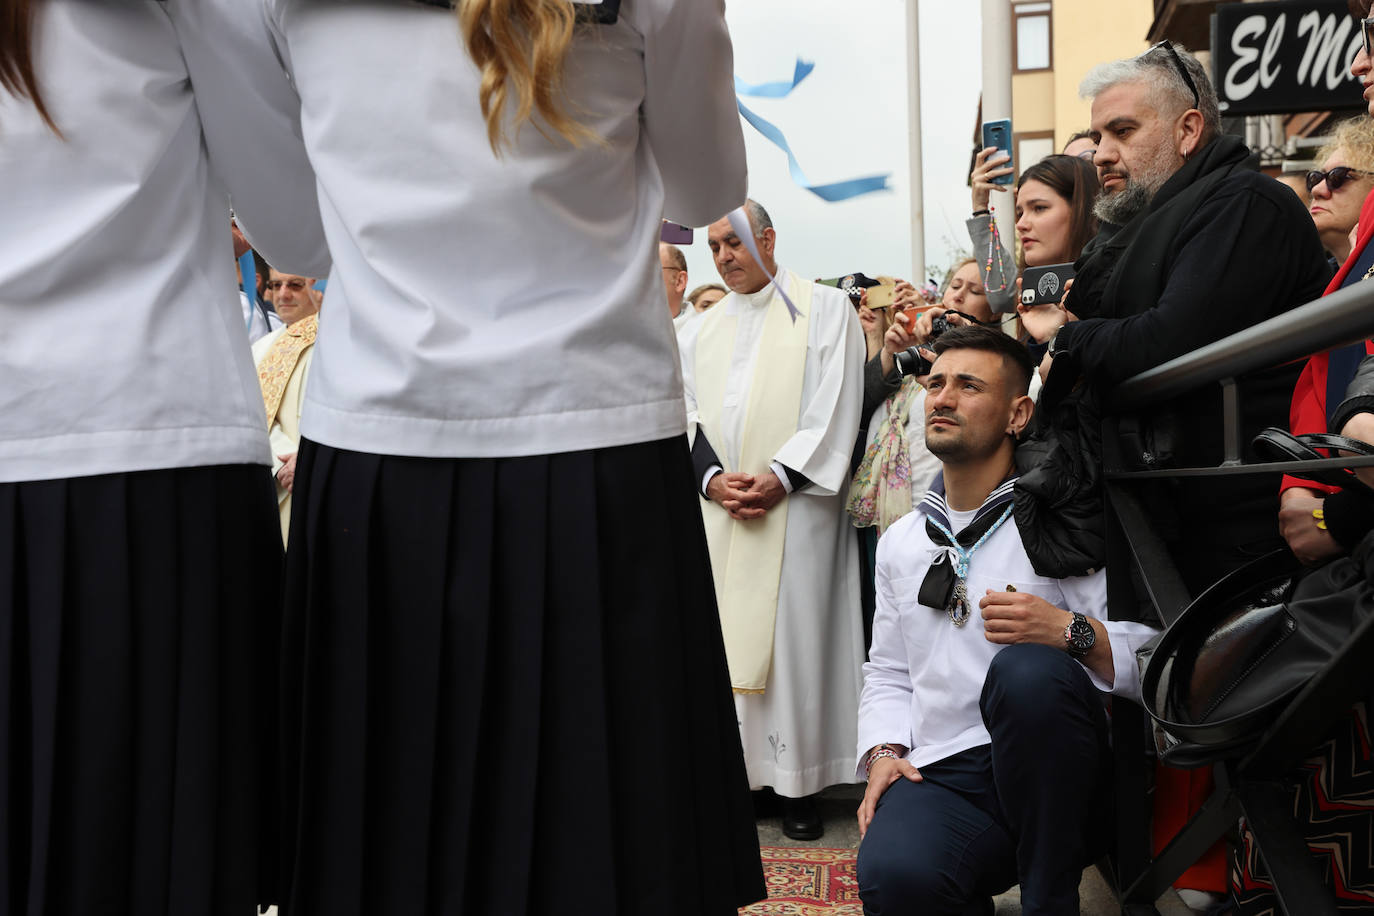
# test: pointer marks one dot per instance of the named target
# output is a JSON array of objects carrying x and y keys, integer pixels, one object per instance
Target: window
[
  {"x": 1031, "y": 41},
  {"x": 1031, "y": 147}
]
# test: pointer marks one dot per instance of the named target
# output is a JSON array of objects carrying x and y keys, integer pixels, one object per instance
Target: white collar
[{"x": 764, "y": 296}]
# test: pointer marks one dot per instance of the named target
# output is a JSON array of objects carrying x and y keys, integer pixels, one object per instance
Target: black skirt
[
  {"x": 139, "y": 627},
  {"x": 506, "y": 690}
]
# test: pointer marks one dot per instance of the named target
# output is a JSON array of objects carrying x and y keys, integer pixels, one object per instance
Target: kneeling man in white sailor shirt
[{"x": 982, "y": 724}]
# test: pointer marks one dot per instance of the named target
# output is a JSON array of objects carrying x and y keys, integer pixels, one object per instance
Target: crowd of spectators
[
  {"x": 1095, "y": 204},
  {"x": 1176, "y": 241}
]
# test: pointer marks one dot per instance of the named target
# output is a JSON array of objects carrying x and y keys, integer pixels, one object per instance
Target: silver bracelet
[{"x": 877, "y": 755}]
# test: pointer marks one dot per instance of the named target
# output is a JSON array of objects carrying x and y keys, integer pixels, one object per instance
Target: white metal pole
[
  {"x": 914, "y": 155},
  {"x": 997, "y": 96}
]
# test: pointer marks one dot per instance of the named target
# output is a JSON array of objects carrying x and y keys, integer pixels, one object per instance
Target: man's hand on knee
[{"x": 881, "y": 775}]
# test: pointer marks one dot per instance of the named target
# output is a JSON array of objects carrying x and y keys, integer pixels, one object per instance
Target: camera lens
[
  {"x": 911, "y": 362},
  {"x": 938, "y": 326}
]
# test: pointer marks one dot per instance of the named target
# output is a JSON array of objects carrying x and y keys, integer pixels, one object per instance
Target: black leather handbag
[{"x": 1239, "y": 653}]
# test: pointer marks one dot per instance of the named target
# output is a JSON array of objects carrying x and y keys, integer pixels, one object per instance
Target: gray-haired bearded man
[{"x": 1198, "y": 246}]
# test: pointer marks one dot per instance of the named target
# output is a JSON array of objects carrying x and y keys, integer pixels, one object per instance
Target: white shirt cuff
[
  {"x": 712, "y": 471},
  {"x": 781, "y": 473}
]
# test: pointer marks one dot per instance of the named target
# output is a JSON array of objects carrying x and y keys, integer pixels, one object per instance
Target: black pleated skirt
[
  {"x": 506, "y": 691},
  {"x": 139, "y": 631}
]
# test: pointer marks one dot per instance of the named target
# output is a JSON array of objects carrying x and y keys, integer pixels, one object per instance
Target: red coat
[{"x": 1307, "y": 414}]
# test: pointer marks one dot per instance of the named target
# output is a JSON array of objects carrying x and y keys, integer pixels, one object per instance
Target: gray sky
[{"x": 848, "y": 119}]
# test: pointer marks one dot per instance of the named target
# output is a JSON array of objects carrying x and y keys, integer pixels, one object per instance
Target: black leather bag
[{"x": 1240, "y": 652}]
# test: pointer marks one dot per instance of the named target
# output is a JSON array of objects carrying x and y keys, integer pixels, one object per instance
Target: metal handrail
[{"x": 1344, "y": 317}]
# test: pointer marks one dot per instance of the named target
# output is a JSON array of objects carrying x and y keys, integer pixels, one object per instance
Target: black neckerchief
[
  {"x": 604, "y": 13},
  {"x": 938, "y": 586}
]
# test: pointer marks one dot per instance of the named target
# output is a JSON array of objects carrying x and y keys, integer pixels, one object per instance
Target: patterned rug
[{"x": 808, "y": 881}]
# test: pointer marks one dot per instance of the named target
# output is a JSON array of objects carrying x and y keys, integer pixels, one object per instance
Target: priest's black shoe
[{"x": 801, "y": 819}]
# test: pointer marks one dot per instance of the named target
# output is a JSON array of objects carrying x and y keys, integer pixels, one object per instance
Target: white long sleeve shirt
[
  {"x": 924, "y": 675},
  {"x": 484, "y": 306},
  {"x": 122, "y": 342}
]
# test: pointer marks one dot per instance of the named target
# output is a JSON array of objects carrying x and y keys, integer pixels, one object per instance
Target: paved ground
[{"x": 839, "y": 803}]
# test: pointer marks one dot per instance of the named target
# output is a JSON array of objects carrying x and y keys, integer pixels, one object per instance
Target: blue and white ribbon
[
  {"x": 775, "y": 90},
  {"x": 739, "y": 221},
  {"x": 249, "y": 271},
  {"x": 958, "y": 556},
  {"x": 833, "y": 192}
]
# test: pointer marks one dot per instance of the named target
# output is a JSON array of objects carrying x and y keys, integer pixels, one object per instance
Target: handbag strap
[
  {"x": 1331, "y": 440},
  {"x": 1281, "y": 445}
]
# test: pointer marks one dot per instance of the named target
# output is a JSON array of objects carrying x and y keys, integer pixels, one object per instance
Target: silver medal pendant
[{"x": 958, "y": 605}]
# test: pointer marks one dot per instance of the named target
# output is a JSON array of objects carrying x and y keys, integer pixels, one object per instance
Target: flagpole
[
  {"x": 997, "y": 92},
  {"x": 914, "y": 155}
]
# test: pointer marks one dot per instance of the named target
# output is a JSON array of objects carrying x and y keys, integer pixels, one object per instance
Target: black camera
[{"x": 911, "y": 362}]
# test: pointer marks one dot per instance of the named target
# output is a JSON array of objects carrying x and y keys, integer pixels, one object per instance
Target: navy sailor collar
[{"x": 933, "y": 504}]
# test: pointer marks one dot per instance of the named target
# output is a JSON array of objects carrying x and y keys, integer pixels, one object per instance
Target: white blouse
[
  {"x": 122, "y": 344},
  {"x": 485, "y": 306}
]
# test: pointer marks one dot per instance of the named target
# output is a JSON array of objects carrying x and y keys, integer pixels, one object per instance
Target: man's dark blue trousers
[{"x": 1032, "y": 807}]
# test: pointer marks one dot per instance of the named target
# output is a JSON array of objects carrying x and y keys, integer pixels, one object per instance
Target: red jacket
[{"x": 1307, "y": 414}]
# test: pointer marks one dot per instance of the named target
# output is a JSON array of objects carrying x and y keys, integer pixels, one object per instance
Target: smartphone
[
  {"x": 674, "y": 234},
  {"x": 1044, "y": 285},
  {"x": 880, "y": 296},
  {"x": 998, "y": 134}
]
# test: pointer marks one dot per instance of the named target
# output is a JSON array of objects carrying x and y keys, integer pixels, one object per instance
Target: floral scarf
[{"x": 881, "y": 490}]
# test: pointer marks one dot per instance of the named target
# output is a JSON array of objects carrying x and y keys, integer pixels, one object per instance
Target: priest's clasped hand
[{"x": 745, "y": 496}]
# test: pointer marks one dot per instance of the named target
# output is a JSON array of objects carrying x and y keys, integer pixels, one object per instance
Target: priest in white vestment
[
  {"x": 773, "y": 403},
  {"x": 283, "y": 359}
]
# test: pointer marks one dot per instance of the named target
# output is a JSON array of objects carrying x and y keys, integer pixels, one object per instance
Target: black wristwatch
[{"x": 1079, "y": 636}]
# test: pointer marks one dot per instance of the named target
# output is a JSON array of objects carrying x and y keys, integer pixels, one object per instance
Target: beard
[
  {"x": 1123, "y": 205},
  {"x": 957, "y": 446}
]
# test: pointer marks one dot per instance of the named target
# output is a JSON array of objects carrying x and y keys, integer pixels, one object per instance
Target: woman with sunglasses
[
  {"x": 1318, "y": 521},
  {"x": 1321, "y": 522},
  {"x": 1341, "y": 183}
]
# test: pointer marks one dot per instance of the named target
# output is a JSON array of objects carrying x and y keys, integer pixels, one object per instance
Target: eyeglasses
[
  {"x": 1183, "y": 70},
  {"x": 1335, "y": 178},
  {"x": 666, "y": 267},
  {"x": 295, "y": 285},
  {"x": 1367, "y": 29}
]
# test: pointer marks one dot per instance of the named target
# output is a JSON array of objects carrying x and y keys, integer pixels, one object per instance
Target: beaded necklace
[
  {"x": 994, "y": 250},
  {"x": 958, "y": 607}
]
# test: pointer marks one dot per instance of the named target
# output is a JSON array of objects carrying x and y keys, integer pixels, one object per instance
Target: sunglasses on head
[
  {"x": 1177, "y": 61},
  {"x": 1334, "y": 178}
]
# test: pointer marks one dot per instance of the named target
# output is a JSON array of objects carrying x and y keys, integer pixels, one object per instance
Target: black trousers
[{"x": 1028, "y": 807}]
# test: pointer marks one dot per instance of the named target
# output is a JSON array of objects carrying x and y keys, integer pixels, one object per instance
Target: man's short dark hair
[{"x": 991, "y": 340}]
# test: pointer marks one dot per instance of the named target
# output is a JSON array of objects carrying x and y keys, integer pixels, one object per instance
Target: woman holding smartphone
[
  {"x": 1054, "y": 218},
  {"x": 501, "y": 678}
]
